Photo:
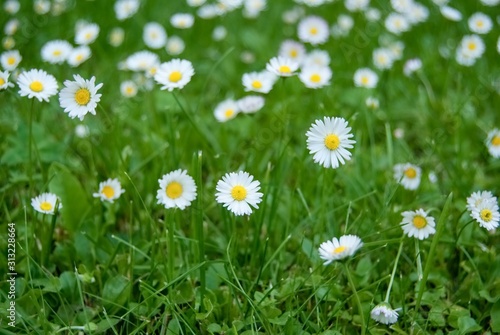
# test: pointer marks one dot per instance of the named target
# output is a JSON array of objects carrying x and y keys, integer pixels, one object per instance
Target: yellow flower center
[
  {"x": 228, "y": 113},
  {"x": 313, "y": 30},
  {"x": 174, "y": 190},
  {"x": 79, "y": 57},
  {"x": 339, "y": 249},
  {"x": 332, "y": 141},
  {"x": 479, "y": 24},
  {"x": 256, "y": 84},
  {"x": 11, "y": 60},
  {"x": 410, "y": 173},
  {"x": 108, "y": 191},
  {"x": 36, "y": 86},
  {"x": 471, "y": 46},
  {"x": 486, "y": 215},
  {"x": 175, "y": 76},
  {"x": 239, "y": 193},
  {"x": 495, "y": 140},
  {"x": 315, "y": 78},
  {"x": 56, "y": 52},
  {"x": 419, "y": 221},
  {"x": 129, "y": 90},
  {"x": 88, "y": 36},
  {"x": 2, "y": 81},
  {"x": 82, "y": 96},
  {"x": 293, "y": 53},
  {"x": 46, "y": 206},
  {"x": 364, "y": 80},
  {"x": 285, "y": 69}
]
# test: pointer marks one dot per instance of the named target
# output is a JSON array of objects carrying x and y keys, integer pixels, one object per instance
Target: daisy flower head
[
  {"x": 250, "y": 104},
  {"x": 174, "y": 74},
  {"x": 195, "y": 3},
  {"x": 316, "y": 57},
  {"x": 480, "y": 23},
  {"x": 109, "y": 190},
  {"x": 471, "y": 46},
  {"x": 128, "y": 89},
  {"x": 226, "y": 110},
  {"x": 408, "y": 175},
  {"x": 356, "y": 5},
  {"x": 486, "y": 213},
  {"x": 182, "y": 20},
  {"x": 340, "y": 248},
  {"x": 418, "y": 224},
  {"x": 10, "y": 60},
  {"x": 328, "y": 140},
  {"x": 383, "y": 58},
  {"x": 175, "y": 45},
  {"x": 41, "y": 7},
  {"x": 451, "y": 13},
  {"x": 126, "y": 8},
  {"x": 11, "y": 27},
  {"x": 282, "y": 66},
  {"x": 141, "y": 61},
  {"x": 397, "y": 23},
  {"x": 315, "y": 76},
  {"x": 177, "y": 190},
  {"x": 79, "y": 55},
  {"x": 4, "y": 80},
  {"x": 79, "y": 97},
  {"x": 219, "y": 33},
  {"x": 237, "y": 191},
  {"x": 87, "y": 34},
  {"x": 411, "y": 66},
  {"x": 365, "y": 77},
  {"x": 313, "y": 29},
  {"x": 490, "y": 3},
  {"x": 56, "y": 52},
  {"x": 82, "y": 131},
  {"x": 46, "y": 203},
  {"x": 261, "y": 82},
  {"x": 493, "y": 143},
  {"x": 11, "y": 6},
  {"x": 417, "y": 13},
  {"x": 116, "y": 36},
  {"x": 292, "y": 49},
  {"x": 383, "y": 313},
  {"x": 477, "y": 198},
  {"x": 154, "y": 35},
  {"x": 372, "y": 103},
  {"x": 37, "y": 84},
  {"x": 252, "y": 8}
]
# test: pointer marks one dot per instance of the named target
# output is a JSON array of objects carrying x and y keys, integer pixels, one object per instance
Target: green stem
[
  {"x": 171, "y": 244},
  {"x": 50, "y": 237},
  {"x": 419, "y": 259},
  {"x": 388, "y": 294},
  {"x": 30, "y": 145},
  {"x": 356, "y": 296},
  {"x": 198, "y": 224}
]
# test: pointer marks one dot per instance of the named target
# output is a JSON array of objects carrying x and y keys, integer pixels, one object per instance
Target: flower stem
[
  {"x": 30, "y": 145},
  {"x": 388, "y": 294},
  {"x": 198, "y": 223},
  {"x": 171, "y": 246},
  {"x": 419, "y": 260},
  {"x": 356, "y": 296}
]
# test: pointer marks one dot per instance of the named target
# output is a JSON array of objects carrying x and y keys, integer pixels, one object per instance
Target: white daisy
[
  {"x": 493, "y": 143},
  {"x": 418, "y": 224},
  {"x": 261, "y": 82},
  {"x": 282, "y": 66},
  {"x": 128, "y": 89},
  {"x": 10, "y": 60},
  {"x": 219, "y": 33},
  {"x": 328, "y": 140},
  {"x": 56, "y": 52},
  {"x": 175, "y": 45},
  {"x": 417, "y": 13},
  {"x": 372, "y": 103},
  {"x": 11, "y": 6},
  {"x": 471, "y": 46},
  {"x": 411, "y": 66},
  {"x": 126, "y": 8},
  {"x": 486, "y": 214},
  {"x": 383, "y": 58},
  {"x": 87, "y": 34},
  {"x": 177, "y": 190},
  {"x": 477, "y": 198},
  {"x": 292, "y": 49},
  {"x": 315, "y": 76},
  {"x": 250, "y": 104},
  {"x": 141, "y": 61},
  {"x": 182, "y": 20},
  {"x": 338, "y": 249},
  {"x": 154, "y": 35},
  {"x": 396, "y": 23},
  {"x": 79, "y": 55},
  {"x": 490, "y": 3},
  {"x": 372, "y": 14},
  {"x": 252, "y": 8},
  {"x": 37, "y": 84},
  {"x": 356, "y": 5},
  {"x": 174, "y": 74},
  {"x": 8, "y": 42},
  {"x": 195, "y": 3},
  {"x": 46, "y": 203},
  {"x": 365, "y": 77},
  {"x": 4, "y": 80},
  {"x": 316, "y": 57},
  {"x": 237, "y": 191},
  {"x": 109, "y": 190},
  {"x": 226, "y": 110},
  {"x": 383, "y": 313},
  {"x": 116, "y": 36},
  {"x": 11, "y": 27},
  {"x": 408, "y": 175},
  {"x": 82, "y": 131},
  {"x": 480, "y": 23},
  {"x": 313, "y": 29},
  {"x": 41, "y": 7},
  {"x": 79, "y": 97},
  {"x": 451, "y": 13}
]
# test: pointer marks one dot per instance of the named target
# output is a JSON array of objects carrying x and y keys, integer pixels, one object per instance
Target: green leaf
[
  {"x": 467, "y": 325},
  {"x": 214, "y": 328},
  {"x": 115, "y": 293},
  {"x": 495, "y": 317},
  {"x": 456, "y": 313}
]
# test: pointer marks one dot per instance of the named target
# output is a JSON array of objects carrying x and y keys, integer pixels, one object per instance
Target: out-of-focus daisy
[
  {"x": 126, "y": 8},
  {"x": 315, "y": 76},
  {"x": 82, "y": 131},
  {"x": 182, "y": 20},
  {"x": 365, "y": 77},
  {"x": 195, "y": 3},
  {"x": 226, "y": 110},
  {"x": 282, "y": 66},
  {"x": 46, "y": 203},
  {"x": 411, "y": 66},
  {"x": 338, "y": 249},
  {"x": 440, "y": 3},
  {"x": 383, "y": 313},
  {"x": 328, "y": 140},
  {"x": 175, "y": 45},
  {"x": 8, "y": 42},
  {"x": 372, "y": 14},
  {"x": 219, "y": 33},
  {"x": 408, "y": 175},
  {"x": 291, "y": 16},
  {"x": 141, "y": 61},
  {"x": 109, "y": 190},
  {"x": 372, "y": 103},
  {"x": 79, "y": 55},
  {"x": 250, "y": 104},
  {"x": 317, "y": 58},
  {"x": 313, "y": 29},
  {"x": 472, "y": 46},
  {"x": 208, "y": 11},
  {"x": 261, "y": 82},
  {"x": 292, "y": 49},
  {"x": 154, "y": 35},
  {"x": 87, "y": 34},
  {"x": 356, "y": 5},
  {"x": 486, "y": 214},
  {"x": 480, "y": 23},
  {"x": 116, "y": 36},
  {"x": 382, "y": 58},
  {"x": 396, "y": 23},
  {"x": 10, "y": 59},
  {"x": 401, "y": 6},
  {"x": 11, "y": 27},
  {"x": 252, "y": 8},
  {"x": 490, "y": 3},
  {"x": 396, "y": 49},
  {"x": 11, "y": 6},
  {"x": 4, "y": 80},
  {"x": 493, "y": 142},
  {"x": 177, "y": 190},
  {"x": 477, "y": 198},
  {"x": 237, "y": 191},
  {"x": 37, "y": 84},
  {"x": 174, "y": 74},
  {"x": 41, "y": 7},
  {"x": 345, "y": 23},
  {"x": 79, "y": 97},
  {"x": 56, "y": 52},
  {"x": 417, "y": 13},
  {"x": 418, "y": 224},
  {"x": 450, "y": 13},
  {"x": 128, "y": 89}
]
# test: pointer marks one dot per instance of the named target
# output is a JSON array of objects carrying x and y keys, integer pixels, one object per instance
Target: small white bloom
[
  {"x": 292, "y": 49},
  {"x": 396, "y": 23},
  {"x": 154, "y": 35},
  {"x": 41, "y": 7},
  {"x": 237, "y": 191},
  {"x": 317, "y": 58},
  {"x": 493, "y": 143},
  {"x": 313, "y": 29},
  {"x": 226, "y": 110},
  {"x": 126, "y": 8},
  {"x": 142, "y": 61},
  {"x": 79, "y": 97},
  {"x": 251, "y": 104},
  {"x": 408, "y": 175},
  {"x": 128, "y": 89},
  {"x": 219, "y": 33},
  {"x": 315, "y": 76},
  {"x": 79, "y": 55},
  {"x": 174, "y": 74},
  {"x": 383, "y": 313},
  {"x": 56, "y": 52},
  {"x": 175, "y": 45},
  {"x": 11, "y": 27},
  {"x": 418, "y": 224},
  {"x": 182, "y": 20},
  {"x": 383, "y": 58},
  {"x": 4, "y": 80},
  {"x": 338, "y": 249},
  {"x": 471, "y": 46},
  {"x": 177, "y": 190},
  {"x": 116, "y": 36},
  {"x": 46, "y": 203},
  {"x": 486, "y": 214},
  {"x": 261, "y": 82},
  {"x": 11, "y": 6},
  {"x": 37, "y": 84},
  {"x": 479, "y": 197},
  {"x": 87, "y": 34},
  {"x": 82, "y": 131},
  {"x": 365, "y": 77},
  {"x": 411, "y": 66},
  {"x": 480, "y": 23},
  {"x": 451, "y": 13},
  {"x": 282, "y": 66},
  {"x": 356, "y": 5},
  {"x": 109, "y": 190},
  {"x": 372, "y": 103}
]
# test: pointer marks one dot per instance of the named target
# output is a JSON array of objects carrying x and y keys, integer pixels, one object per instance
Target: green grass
[{"x": 134, "y": 267}]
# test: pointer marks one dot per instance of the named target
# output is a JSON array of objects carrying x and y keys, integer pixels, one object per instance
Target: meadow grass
[{"x": 136, "y": 267}]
